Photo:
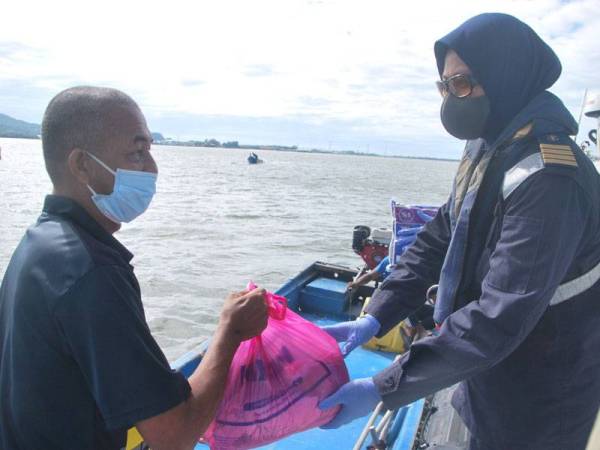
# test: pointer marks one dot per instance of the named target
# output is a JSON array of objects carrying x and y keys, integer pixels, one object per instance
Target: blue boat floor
[{"x": 361, "y": 363}]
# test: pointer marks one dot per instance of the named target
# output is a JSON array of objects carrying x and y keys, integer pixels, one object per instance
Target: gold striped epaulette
[{"x": 556, "y": 152}]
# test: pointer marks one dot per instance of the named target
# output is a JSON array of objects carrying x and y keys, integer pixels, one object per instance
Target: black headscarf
[{"x": 510, "y": 61}]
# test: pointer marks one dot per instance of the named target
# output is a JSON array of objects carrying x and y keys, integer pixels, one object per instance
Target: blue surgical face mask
[{"x": 132, "y": 193}]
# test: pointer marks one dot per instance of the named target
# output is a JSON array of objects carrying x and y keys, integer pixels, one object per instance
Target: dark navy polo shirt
[{"x": 78, "y": 365}]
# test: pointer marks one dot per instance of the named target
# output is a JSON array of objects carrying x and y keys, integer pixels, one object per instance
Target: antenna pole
[{"x": 581, "y": 113}]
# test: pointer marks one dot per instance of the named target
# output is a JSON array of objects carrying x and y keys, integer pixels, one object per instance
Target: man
[
  {"x": 78, "y": 365},
  {"x": 379, "y": 273},
  {"x": 516, "y": 250},
  {"x": 418, "y": 322}
]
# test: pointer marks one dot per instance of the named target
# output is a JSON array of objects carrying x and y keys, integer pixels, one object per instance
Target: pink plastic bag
[{"x": 276, "y": 381}]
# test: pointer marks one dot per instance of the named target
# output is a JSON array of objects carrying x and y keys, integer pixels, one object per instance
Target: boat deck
[{"x": 318, "y": 294}]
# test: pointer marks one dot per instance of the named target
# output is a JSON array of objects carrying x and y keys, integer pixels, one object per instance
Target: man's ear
[{"x": 78, "y": 164}]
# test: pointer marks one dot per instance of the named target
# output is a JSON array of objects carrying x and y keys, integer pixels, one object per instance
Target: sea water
[{"x": 217, "y": 222}]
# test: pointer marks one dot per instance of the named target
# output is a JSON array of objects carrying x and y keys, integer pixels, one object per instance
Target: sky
[{"x": 328, "y": 74}]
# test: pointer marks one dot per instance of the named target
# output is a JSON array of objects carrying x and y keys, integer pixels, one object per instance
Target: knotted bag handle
[{"x": 277, "y": 304}]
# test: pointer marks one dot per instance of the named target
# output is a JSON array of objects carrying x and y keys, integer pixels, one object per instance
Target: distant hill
[
  {"x": 14, "y": 128},
  {"x": 10, "y": 127},
  {"x": 158, "y": 137}
]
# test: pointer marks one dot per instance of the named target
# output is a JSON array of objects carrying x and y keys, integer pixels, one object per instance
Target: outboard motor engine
[
  {"x": 371, "y": 245},
  {"x": 359, "y": 236}
]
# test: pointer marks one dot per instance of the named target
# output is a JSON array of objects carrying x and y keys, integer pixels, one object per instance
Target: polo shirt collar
[{"x": 64, "y": 206}]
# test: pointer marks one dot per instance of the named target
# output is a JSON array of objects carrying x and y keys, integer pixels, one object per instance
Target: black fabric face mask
[{"x": 465, "y": 118}]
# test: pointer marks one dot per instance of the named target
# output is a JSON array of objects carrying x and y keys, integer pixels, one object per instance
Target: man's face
[
  {"x": 453, "y": 65},
  {"x": 127, "y": 146}
]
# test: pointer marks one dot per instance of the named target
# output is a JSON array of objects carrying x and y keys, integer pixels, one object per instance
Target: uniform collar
[{"x": 69, "y": 208}]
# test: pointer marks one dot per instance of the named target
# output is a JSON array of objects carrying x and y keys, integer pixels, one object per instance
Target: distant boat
[{"x": 254, "y": 159}]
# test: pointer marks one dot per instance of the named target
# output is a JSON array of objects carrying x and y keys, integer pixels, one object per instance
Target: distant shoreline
[
  {"x": 276, "y": 148},
  {"x": 16, "y": 136},
  {"x": 18, "y": 129}
]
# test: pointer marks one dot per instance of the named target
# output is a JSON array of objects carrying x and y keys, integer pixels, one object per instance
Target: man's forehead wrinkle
[{"x": 128, "y": 120}]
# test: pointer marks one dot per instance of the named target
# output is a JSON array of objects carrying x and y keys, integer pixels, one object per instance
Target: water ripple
[{"x": 217, "y": 222}]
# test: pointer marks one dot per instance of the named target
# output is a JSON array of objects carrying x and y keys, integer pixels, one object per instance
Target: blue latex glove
[
  {"x": 358, "y": 398},
  {"x": 354, "y": 333}
]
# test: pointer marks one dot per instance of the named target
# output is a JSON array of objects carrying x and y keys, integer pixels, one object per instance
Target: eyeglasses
[{"x": 460, "y": 85}]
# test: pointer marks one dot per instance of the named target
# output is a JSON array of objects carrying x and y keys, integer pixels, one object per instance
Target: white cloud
[{"x": 359, "y": 61}]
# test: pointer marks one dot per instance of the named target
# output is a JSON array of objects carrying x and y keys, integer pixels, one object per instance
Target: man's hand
[
  {"x": 350, "y": 286},
  {"x": 354, "y": 333},
  {"x": 244, "y": 314},
  {"x": 357, "y": 397}
]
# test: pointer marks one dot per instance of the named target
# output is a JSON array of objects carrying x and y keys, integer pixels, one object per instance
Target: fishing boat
[
  {"x": 319, "y": 294},
  {"x": 254, "y": 159}
]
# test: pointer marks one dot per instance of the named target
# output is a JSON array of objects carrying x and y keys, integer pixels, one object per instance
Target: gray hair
[{"x": 78, "y": 117}]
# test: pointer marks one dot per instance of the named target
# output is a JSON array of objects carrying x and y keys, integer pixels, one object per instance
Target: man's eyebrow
[{"x": 142, "y": 138}]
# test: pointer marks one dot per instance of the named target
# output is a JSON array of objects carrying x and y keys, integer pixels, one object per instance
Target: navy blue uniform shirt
[
  {"x": 531, "y": 371},
  {"x": 78, "y": 365},
  {"x": 530, "y": 366}
]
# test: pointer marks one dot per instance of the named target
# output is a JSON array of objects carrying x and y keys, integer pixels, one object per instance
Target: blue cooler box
[{"x": 324, "y": 295}]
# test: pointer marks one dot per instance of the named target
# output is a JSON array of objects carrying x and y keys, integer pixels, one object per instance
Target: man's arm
[
  {"x": 403, "y": 292},
  {"x": 104, "y": 331},
  {"x": 371, "y": 275},
  {"x": 537, "y": 245},
  {"x": 243, "y": 316}
]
